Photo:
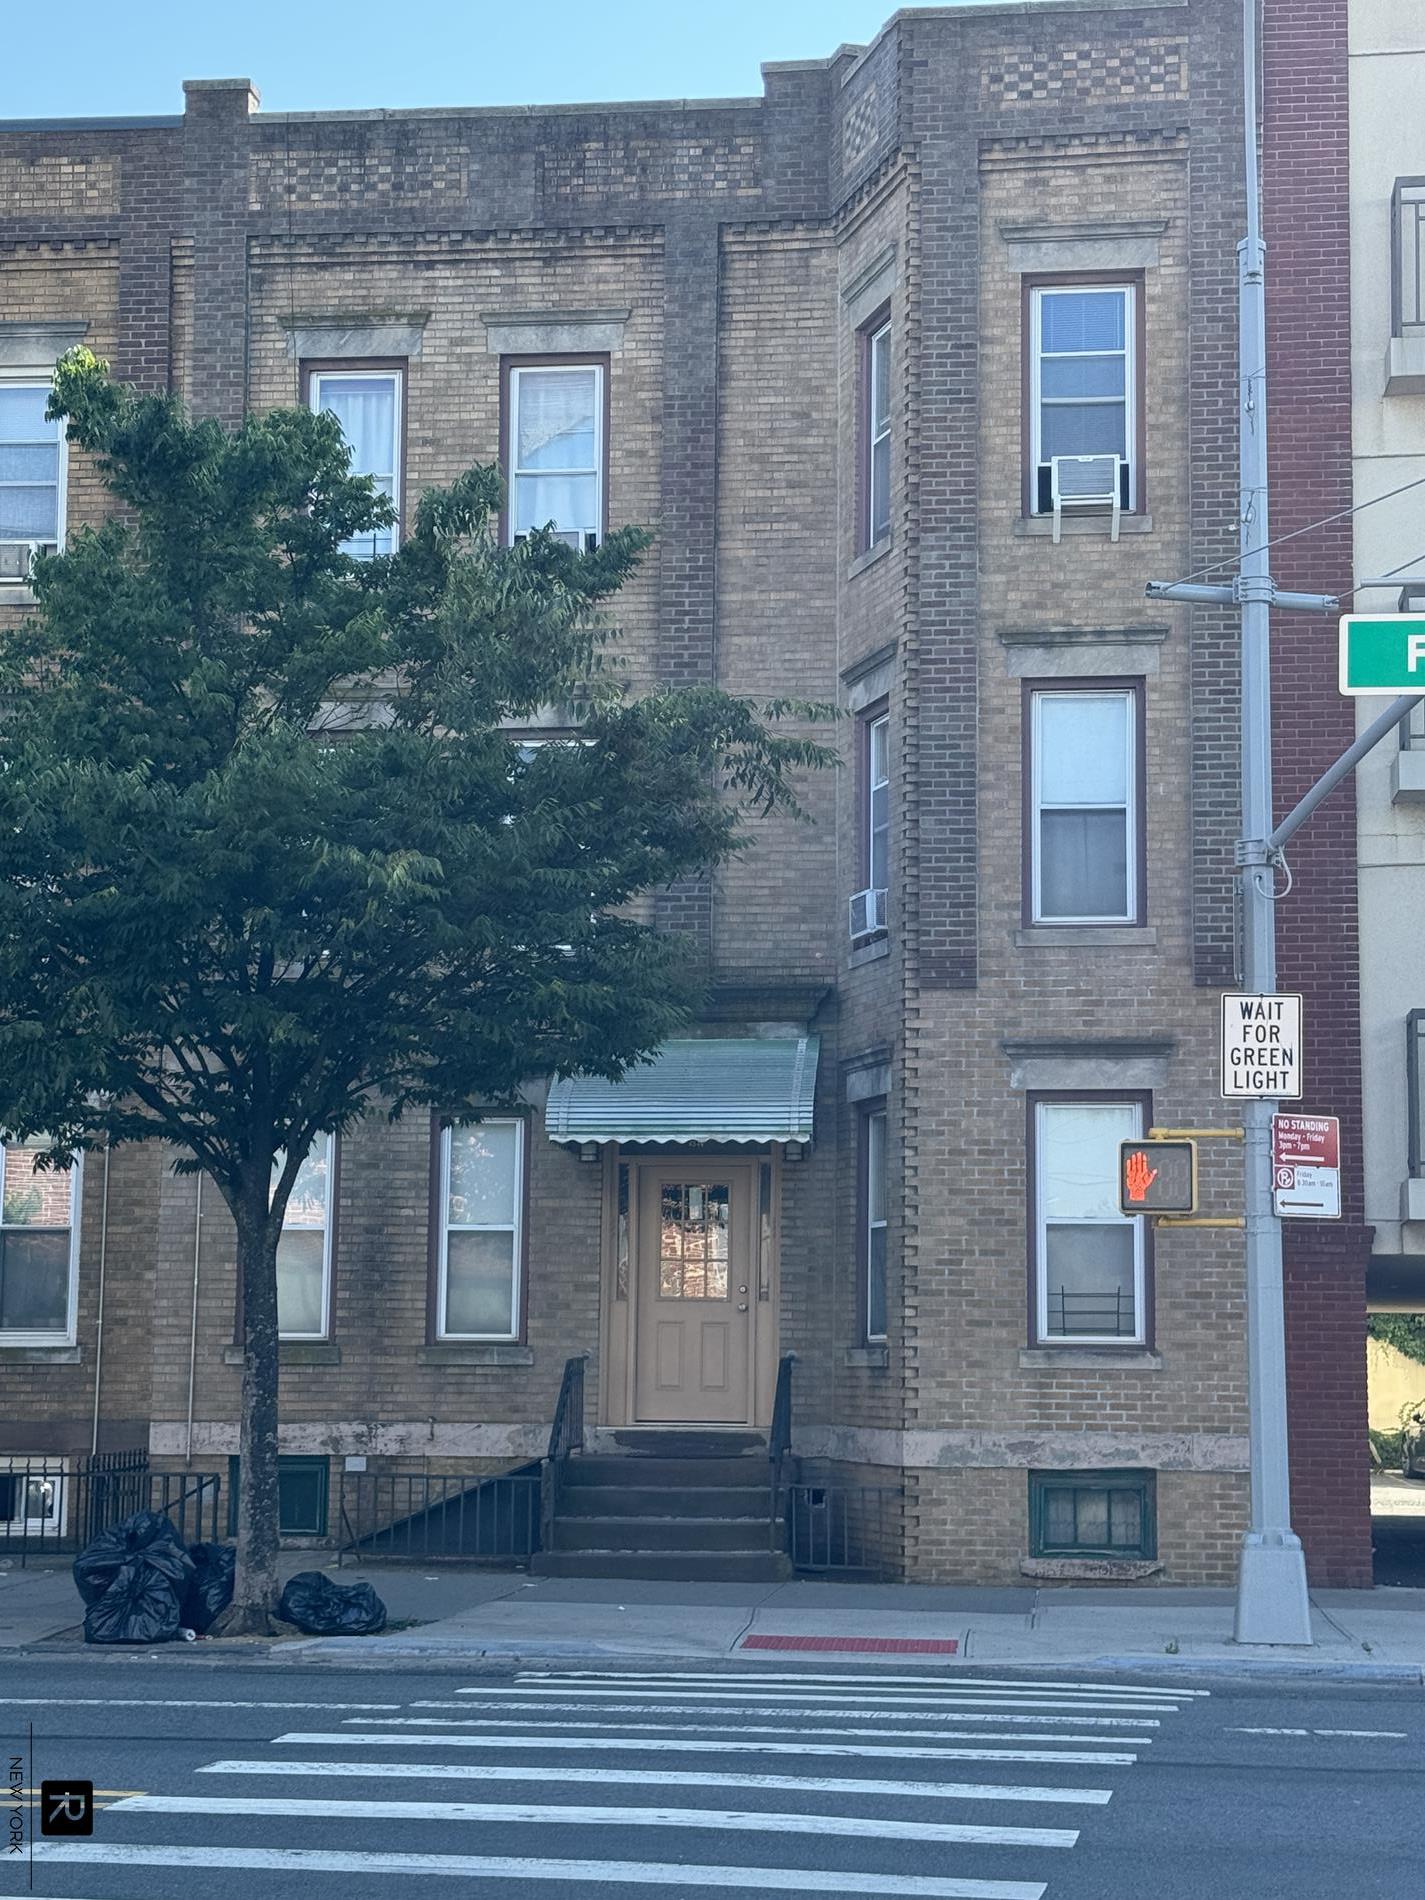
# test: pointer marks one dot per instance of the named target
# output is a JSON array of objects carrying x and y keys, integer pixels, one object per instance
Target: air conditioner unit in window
[
  {"x": 17, "y": 558},
  {"x": 868, "y": 912},
  {"x": 583, "y": 540},
  {"x": 1085, "y": 481}
]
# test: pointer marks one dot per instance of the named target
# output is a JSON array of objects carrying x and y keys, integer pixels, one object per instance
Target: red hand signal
[{"x": 1138, "y": 1176}]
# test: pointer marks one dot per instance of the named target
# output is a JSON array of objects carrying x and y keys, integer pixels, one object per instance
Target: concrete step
[
  {"x": 675, "y": 1441},
  {"x": 689, "y": 1534},
  {"x": 614, "y": 1468},
  {"x": 681, "y": 1566},
  {"x": 673, "y": 1501}
]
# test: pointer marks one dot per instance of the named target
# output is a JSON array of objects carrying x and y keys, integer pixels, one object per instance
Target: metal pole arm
[{"x": 1377, "y": 730}]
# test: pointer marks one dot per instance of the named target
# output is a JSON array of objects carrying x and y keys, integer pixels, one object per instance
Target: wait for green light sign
[{"x": 1382, "y": 653}]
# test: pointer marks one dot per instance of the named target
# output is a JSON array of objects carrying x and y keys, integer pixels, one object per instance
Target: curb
[
  {"x": 1285, "y": 1670},
  {"x": 456, "y": 1649}
]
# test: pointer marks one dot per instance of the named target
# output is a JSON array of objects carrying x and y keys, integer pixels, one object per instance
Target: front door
[{"x": 693, "y": 1349}]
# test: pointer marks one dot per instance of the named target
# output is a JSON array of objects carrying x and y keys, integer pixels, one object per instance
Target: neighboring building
[
  {"x": 833, "y": 342},
  {"x": 1387, "y": 181}
]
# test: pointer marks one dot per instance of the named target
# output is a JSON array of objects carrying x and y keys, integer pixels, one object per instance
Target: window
[
  {"x": 367, "y": 404},
  {"x": 481, "y": 1229},
  {"x": 556, "y": 459},
  {"x": 874, "y": 1206},
  {"x": 302, "y": 1485},
  {"x": 868, "y": 909},
  {"x": 304, "y": 1253},
  {"x": 1082, "y": 396},
  {"x": 1085, "y": 823},
  {"x": 1090, "y": 1269},
  {"x": 875, "y": 434},
  {"x": 32, "y": 475},
  {"x": 33, "y": 1500},
  {"x": 1093, "y": 1514},
  {"x": 39, "y": 1247}
]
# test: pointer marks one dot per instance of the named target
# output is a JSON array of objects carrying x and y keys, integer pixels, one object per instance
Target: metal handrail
[
  {"x": 779, "y": 1445},
  {"x": 566, "y": 1436}
]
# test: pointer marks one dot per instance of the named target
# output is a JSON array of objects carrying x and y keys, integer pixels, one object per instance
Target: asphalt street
[{"x": 228, "y": 1780}]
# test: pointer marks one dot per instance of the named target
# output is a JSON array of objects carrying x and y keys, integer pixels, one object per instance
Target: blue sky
[{"x": 77, "y": 60}]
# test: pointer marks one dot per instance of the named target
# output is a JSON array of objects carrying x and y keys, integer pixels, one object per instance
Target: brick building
[{"x": 836, "y": 344}]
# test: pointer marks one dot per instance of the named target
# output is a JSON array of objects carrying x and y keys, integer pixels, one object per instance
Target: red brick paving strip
[{"x": 881, "y": 1645}]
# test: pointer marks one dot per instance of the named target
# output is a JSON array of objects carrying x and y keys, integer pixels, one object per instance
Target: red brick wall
[{"x": 1307, "y": 229}]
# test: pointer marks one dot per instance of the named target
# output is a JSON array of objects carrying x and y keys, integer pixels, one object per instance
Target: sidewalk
[{"x": 469, "y": 1616}]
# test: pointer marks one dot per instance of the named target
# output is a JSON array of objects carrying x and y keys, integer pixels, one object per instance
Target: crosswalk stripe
[
  {"x": 174, "y": 1702},
  {"x": 655, "y": 1698},
  {"x": 1122, "y": 1719},
  {"x": 658, "y": 1778},
  {"x": 299, "y": 1860},
  {"x": 734, "y": 1745},
  {"x": 848, "y": 1681},
  {"x": 753, "y": 1728},
  {"x": 729, "y": 1820}
]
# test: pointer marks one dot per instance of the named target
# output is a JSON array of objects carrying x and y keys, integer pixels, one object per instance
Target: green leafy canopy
[{"x": 269, "y": 857}]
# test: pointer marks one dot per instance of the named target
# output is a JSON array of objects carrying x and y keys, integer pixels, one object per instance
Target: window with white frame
[
  {"x": 39, "y": 1246},
  {"x": 876, "y": 424},
  {"x": 875, "y": 1217},
  {"x": 556, "y": 453},
  {"x": 481, "y": 1229},
  {"x": 1083, "y": 382},
  {"x": 367, "y": 404},
  {"x": 1089, "y": 1259},
  {"x": 1084, "y": 806},
  {"x": 32, "y": 478},
  {"x": 874, "y": 869},
  {"x": 304, "y": 1251}
]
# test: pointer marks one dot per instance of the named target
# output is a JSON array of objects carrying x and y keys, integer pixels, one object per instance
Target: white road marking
[
  {"x": 845, "y": 1681},
  {"x": 733, "y": 1746},
  {"x": 172, "y": 1702},
  {"x": 902, "y": 1699},
  {"x": 640, "y": 1873},
  {"x": 1361, "y": 1734},
  {"x": 657, "y": 1778},
  {"x": 1123, "y": 1719},
  {"x": 555, "y": 1729},
  {"x": 725, "y": 1819}
]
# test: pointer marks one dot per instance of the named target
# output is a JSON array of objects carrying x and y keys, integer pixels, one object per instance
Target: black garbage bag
[
  {"x": 141, "y": 1605},
  {"x": 150, "y": 1532},
  {"x": 210, "y": 1588},
  {"x": 323, "y": 1608}
]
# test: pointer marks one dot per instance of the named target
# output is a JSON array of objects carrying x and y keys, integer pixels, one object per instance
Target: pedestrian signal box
[{"x": 1157, "y": 1177}]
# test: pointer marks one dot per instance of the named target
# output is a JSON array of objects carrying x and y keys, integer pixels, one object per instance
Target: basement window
[{"x": 1093, "y": 1514}]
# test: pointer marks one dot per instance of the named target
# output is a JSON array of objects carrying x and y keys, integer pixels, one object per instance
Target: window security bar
[
  {"x": 1109, "y": 1313},
  {"x": 1407, "y": 257},
  {"x": 1085, "y": 481}
]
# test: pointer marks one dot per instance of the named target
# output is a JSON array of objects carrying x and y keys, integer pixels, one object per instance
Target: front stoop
[{"x": 674, "y": 1506}]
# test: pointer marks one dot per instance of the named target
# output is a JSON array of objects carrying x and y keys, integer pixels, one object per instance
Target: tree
[{"x": 270, "y": 860}]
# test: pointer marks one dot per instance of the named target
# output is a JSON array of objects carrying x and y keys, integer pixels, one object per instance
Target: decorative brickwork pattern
[
  {"x": 861, "y": 128},
  {"x": 57, "y": 185},
  {"x": 407, "y": 164},
  {"x": 1084, "y": 74},
  {"x": 653, "y": 168}
]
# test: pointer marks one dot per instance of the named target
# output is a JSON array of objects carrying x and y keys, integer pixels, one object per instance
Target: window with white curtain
[
  {"x": 367, "y": 404},
  {"x": 556, "y": 452},
  {"x": 32, "y": 478},
  {"x": 39, "y": 1246},
  {"x": 1084, "y": 806},
  {"x": 481, "y": 1230},
  {"x": 1089, "y": 1261},
  {"x": 1083, "y": 399},
  {"x": 304, "y": 1252}
]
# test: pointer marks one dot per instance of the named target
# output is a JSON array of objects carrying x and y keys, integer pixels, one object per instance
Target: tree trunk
[{"x": 255, "y": 1594}]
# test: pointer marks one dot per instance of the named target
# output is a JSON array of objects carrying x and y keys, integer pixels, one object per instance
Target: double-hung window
[
  {"x": 1085, "y": 816},
  {"x": 556, "y": 450},
  {"x": 868, "y": 907},
  {"x": 39, "y": 1247},
  {"x": 32, "y": 479},
  {"x": 304, "y": 1251},
  {"x": 1083, "y": 398},
  {"x": 481, "y": 1231},
  {"x": 874, "y": 1214},
  {"x": 1089, "y": 1260},
  {"x": 367, "y": 404},
  {"x": 875, "y": 434}
]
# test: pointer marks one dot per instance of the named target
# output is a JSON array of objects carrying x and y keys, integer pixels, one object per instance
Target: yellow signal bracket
[
  {"x": 1199, "y": 1220},
  {"x": 1197, "y": 1134}
]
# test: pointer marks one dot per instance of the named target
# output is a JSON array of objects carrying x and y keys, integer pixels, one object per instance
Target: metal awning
[{"x": 714, "y": 1088}]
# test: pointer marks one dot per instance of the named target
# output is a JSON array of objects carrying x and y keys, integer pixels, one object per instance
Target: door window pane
[
  {"x": 1089, "y": 1257},
  {"x": 367, "y": 404},
  {"x": 557, "y": 450},
  {"x": 482, "y": 1167},
  {"x": 693, "y": 1241},
  {"x": 1085, "y": 807},
  {"x": 304, "y": 1249},
  {"x": 37, "y": 1243}
]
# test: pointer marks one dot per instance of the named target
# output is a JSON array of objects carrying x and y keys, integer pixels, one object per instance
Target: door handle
[
  {"x": 742, "y": 1289},
  {"x": 742, "y": 1306}
]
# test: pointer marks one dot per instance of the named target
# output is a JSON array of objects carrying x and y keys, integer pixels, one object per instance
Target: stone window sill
[
  {"x": 39, "y": 1355},
  {"x": 16, "y": 594},
  {"x": 474, "y": 1352},
  {"x": 870, "y": 557},
  {"x": 875, "y": 1358},
  {"x": 1086, "y": 937},
  {"x": 1041, "y": 527},
  {"x": 1090, "y": 1569},
  {"x": 294, "y": 1352},
  {"x": 1090, "y": 1359},
  {"x": 869, "y": 951}
]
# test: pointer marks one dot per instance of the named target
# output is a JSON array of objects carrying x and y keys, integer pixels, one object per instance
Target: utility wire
[{"x": 1293, "y": 534}]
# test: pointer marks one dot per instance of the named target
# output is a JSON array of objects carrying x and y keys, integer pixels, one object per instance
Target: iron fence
[
  {"x": 844, "y": 1527},
  {"x": 50, "y": 1506},
  {"x": 427, "y": 1516}
]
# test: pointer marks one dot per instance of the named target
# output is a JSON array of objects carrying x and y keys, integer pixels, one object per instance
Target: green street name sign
[{"x": 1382, "y": 653}]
